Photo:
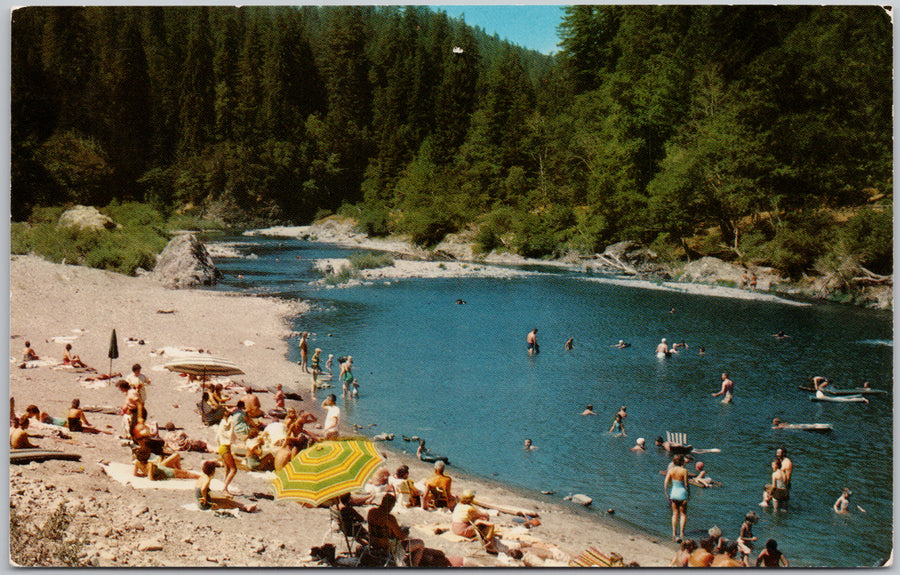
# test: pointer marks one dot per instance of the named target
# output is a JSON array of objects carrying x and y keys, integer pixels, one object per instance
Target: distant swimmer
[
  {"x": 702, "y": 351},
  {"x": 639, "y": 446},
  {"x": 531, "y": 343},
  {"x": 570, "y": 343},
  {"x": 672, "y": 310},
  {"x": 529, "y": 446},
  {"x": 780, "y": 335},
  {"x": 771, "y": 557},
  {"x": 662, "y": 350},
  {"x": 460, "y": 302},
  {"x": 680, "y": 345},
  {"x": 842, "y": 505},
  {"x": 621, "y": 344},
  {"x": 619, "y": 422},
  {"x": 588, "y": 410},
  {"x": 727, "y": 389}
]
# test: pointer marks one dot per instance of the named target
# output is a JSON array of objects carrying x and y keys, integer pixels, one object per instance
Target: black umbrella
[{"x": 113, "y": 349}]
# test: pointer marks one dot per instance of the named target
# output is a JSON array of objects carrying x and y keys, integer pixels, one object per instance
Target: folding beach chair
[
  {"x": 676, "y": 438},
  {"x": 594, "y": 558}
]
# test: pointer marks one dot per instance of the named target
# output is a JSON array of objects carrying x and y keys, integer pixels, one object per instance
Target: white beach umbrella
[{"x": 203, "y": 366}]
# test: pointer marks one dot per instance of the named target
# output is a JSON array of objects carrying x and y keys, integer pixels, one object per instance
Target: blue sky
[{"x": 529, "y": 26}]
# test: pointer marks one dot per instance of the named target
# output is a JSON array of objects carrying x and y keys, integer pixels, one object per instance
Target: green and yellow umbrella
[{"x": 327, "y": 470}]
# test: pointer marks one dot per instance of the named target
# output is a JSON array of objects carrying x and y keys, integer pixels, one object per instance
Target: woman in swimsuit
[{"x": 678, "y": 494}]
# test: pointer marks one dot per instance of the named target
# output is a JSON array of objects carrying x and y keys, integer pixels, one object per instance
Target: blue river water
[{"x": 459, "y": 376}]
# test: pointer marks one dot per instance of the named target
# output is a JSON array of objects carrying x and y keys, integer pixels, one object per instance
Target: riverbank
[
  {"x": 414, "y": 262},
  {"x": 52, "y": 304}
]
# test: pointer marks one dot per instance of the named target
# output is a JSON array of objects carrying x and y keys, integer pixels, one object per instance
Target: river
[{"x": 459, "y": 377}]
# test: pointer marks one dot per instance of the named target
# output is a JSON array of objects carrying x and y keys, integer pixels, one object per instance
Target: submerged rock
[{"x": 185, "y": 263}]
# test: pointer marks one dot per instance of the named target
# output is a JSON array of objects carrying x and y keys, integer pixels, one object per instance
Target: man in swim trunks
[
  {"x": 727, "y": 389},
  {"x": 662, "y": 349},
  {"x": 531, "y": 342}
]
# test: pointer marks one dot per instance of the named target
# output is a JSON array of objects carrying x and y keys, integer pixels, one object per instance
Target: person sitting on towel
[
  {"x": 71, "y": 359},
  {"x": 206, "y": 501},
  {"x": 77, "y": 421}
]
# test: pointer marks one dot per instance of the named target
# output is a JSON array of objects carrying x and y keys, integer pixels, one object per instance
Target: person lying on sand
[
  {"x": 43, "y": 417},
  {"x": 18, "y": 435},
  {"x": 206, "y": 501},
  {"x": 72, "y": 359},
  {"x": 156, "y": 468}
]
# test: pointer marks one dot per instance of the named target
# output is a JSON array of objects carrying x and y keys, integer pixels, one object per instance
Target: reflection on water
[{"x": 459, "y": 376}]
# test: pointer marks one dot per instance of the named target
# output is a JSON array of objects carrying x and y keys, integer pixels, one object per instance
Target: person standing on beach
[
  {"x": 304, "y": 351},
  {"x": 531, "y": 343},
  {"x": 138, "y": 381},
  {"x": 727, "y": 389},
  {"x": 619, "y": 422},
  {"x": 225, "y": 436},
  {"x": 679, "y": 493}
]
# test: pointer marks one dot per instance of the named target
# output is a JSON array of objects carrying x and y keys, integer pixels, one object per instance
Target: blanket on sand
[{"x": 124, "y": 474}]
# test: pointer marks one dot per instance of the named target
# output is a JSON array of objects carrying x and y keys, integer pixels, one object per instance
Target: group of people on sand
[
  {"x": 69, "y": 359},
  {"x": 385, "y": 490},
  {"x": 33, "y": 417},
  {"x": 716, "y": 551}
]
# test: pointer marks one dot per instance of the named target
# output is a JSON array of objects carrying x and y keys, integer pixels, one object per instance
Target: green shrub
[
  {"x": 370, "y": 260},
  {"x": 869, "y": 236},
  {"x": 345, "y": 274}
]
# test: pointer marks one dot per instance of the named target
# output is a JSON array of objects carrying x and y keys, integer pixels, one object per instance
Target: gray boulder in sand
[
  {"x": 185, "y": 263},
  {"x": 85, "y": 217}
]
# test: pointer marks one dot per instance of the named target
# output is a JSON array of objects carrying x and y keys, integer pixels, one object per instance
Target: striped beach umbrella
[
  {"x": 327, "y": 470},
  {"x": 203, "y": 365}
]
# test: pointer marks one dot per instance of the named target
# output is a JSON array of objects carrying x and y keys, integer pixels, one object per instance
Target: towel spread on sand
[
  {"x": 63, "y": 338},
  {"x": 124, "y": 474}
]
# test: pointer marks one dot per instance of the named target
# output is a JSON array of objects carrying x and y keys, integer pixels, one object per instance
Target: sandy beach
[{"x": 52, "y": 304}]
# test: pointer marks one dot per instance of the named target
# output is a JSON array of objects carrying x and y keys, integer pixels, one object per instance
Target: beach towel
[
  {"x": 63, "y": 338},
  {"x": 124, "y": 474}
]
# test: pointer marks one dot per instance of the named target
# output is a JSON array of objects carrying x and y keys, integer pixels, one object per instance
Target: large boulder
[
  {"x": 185, "y": 263},
  {"x": 85, "y": 217}
]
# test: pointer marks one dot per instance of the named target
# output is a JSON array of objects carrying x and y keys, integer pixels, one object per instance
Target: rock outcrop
[
  {"x": 185, "y": 263},
  {"x": 710, "y": 270},
  {"x": 86, "y": 217}
]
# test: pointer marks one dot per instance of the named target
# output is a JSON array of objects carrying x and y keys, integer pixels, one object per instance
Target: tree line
[{"x": 758, "y": 133}]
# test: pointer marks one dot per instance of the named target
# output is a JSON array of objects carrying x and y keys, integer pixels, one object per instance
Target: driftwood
[
  {"x": 615, "y": 262},
  {"x": 871, "y": 278}
]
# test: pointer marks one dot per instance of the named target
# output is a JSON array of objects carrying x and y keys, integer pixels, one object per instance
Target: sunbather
[
  {"x": 467, "y": 518},
  {"x": 383, "y": 527},
  {"x": 206, "y": 501},
  {"x": 211, "y": 413},
  {"x": 156, "y": 468},
  {"x": 437, "y": 483},
  {"x": 252, "y": 406},
  {"x": 279, "y": 411},
  {"x": 257, "y": 459},
  {"x": 72, "y": 359},
  {"x": 33, "y": 412},
  {"x": 400, "y": 483},
  {"x": 18, "y": 434},
  {"x": 28, "y": 354},
  {"x": 178, "y": 440},
  {"x": 77, "y": 421}
]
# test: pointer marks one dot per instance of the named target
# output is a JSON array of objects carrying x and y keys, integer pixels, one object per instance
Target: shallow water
[{"x": 459, "y": 376}]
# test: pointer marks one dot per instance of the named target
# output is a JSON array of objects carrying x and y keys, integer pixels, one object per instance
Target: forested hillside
[{"x": 757, "y": 133}]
